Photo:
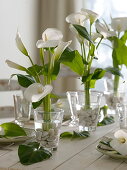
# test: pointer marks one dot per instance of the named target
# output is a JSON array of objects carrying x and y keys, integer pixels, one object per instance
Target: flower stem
[
  {"x": 116, "y": 84},
  {"x": 87, "y": 94}
]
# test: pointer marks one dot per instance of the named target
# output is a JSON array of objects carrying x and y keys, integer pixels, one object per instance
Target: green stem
[
  {"x": 42, "y": 55},
  {"x": 87, "y": 94},
  {"x": 116, "y": 84},
  {"x": 99, "y": 42}
]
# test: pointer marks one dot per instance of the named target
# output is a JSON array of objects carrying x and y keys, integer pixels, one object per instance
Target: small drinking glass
[
  {"x": 22, "y": 110},
  {"x": 47, "y": 127},
  {"x": 122, "y": 113},
  {"x": 85, "y": 119}
]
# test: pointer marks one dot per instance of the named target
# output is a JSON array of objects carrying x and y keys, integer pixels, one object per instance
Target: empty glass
[
  {"x": 22, "y": 110},
  {"x": 122, "y": 113}
]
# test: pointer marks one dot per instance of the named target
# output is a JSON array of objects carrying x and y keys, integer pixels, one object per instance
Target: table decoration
[
  {"x": 38, "y": 90},
  {"x": 118, "y": 45},
  {"x": 115, "y": 147},
  {"x": 89, "y": 41}
]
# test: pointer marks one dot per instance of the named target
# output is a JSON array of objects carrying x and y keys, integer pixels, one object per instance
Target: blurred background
[{"x": 32, "y": 17}]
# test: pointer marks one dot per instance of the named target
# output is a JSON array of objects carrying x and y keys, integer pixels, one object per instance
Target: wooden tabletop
[{"x": 71, "y": 155}]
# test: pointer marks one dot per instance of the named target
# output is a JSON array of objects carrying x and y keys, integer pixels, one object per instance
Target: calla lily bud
[
  {"x": 20, "y": 44},
  {"x": 36, "y": 91},
  {"x": 50, "y": 38},
  {"x": 15, "y": 65},
  {"x": 119, "y": 24}
]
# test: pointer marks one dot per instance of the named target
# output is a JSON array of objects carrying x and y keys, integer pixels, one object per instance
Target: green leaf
[
  {"x": 106, "y": 121},
  {"x": 66, "y": 135},
  {"x": 56, "y": 70},
  {"x": 83, "y": 134},
  {"x": 12, "y": 129},
  {"x": 87, "y": 78},
  {"x": 36, "y": 104},
  {"x": 35, "y": 69},
  {"x": 25, "y": 80},
  {"x": 119, "y": 52},
  {"x": 73, "y": 60},
  {"x": 92, "y": 83},
  {"x": 124, "y": 37},
  {"x": 114, "y": 71},
  {"x": 98, "y": 73},
  {"x": 54, "y": 96},
  {"x": 74, "y": 134},
  {"x": 32, "y": 153},
  {"x": 83, "y": 32}
]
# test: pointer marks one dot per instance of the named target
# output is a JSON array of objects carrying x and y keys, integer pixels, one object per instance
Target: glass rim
[
  {"x": 83, "y": 91},
  {"x": 57, "y": 110}
]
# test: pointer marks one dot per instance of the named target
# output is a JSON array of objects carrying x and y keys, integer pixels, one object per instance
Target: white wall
[{"x": 21, "y": 15}]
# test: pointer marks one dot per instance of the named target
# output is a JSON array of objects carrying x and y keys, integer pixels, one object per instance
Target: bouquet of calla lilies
[
  {"x": 53, "y": 52},
  {"x": 38, "y": 91},
  {"x": 119, "y": 47},
  {"x": 89, "y": 38}
]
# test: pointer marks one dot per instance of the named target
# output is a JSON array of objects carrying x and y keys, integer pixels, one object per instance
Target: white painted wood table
[{"x": 71, "y": 155}]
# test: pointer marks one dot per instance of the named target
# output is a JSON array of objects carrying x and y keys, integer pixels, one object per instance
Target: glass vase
[
  {"x": 47, "y": 127},
  {"x": 82, "y": 115}
]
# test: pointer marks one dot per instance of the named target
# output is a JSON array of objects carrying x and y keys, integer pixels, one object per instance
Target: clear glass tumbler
[
  {"x": 47, "y": 127},
  {"x": 122, "y": 114},
  {"x": 22, "y": 110},
  {"x": 83, "y": 116}
]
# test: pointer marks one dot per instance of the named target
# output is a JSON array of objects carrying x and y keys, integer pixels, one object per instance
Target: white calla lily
[
  {"x": 15, "y": 65},
  {"x": 61, "y": 47},
  {"x": 102, "y": 29},
  {"x": 120, "y": 142},
  {"x": 50, "y": 38},
  {"x": 20, "y": 44},
  {"x": 95, "y": 36},
  {"x": 76, "y": 18},
  {"x": 58, "y": 51},
  {"x": 92, "y": 16},
  {"x": 36, "y": 91},
  {"x": 119, "y": 24}
]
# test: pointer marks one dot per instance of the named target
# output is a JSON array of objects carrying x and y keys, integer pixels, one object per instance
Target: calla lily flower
[
  {"x": 15, "y": 65},
  {"x": 120, "y": 142},
  {"x": 58, "y": 51},
  {"x": 92, "y": 16},
  {"x": 36, "y": 91},
  {"x": 61, "y": 47},
  {"x": 76, "y": 18},
  {"x": 50, "y": 38},
  {"x": 20, "y": 44},
  {"x": 119, "y": 24},
  {"x": 102, "y": 29},
  {"x": 95, "y": 36}
]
